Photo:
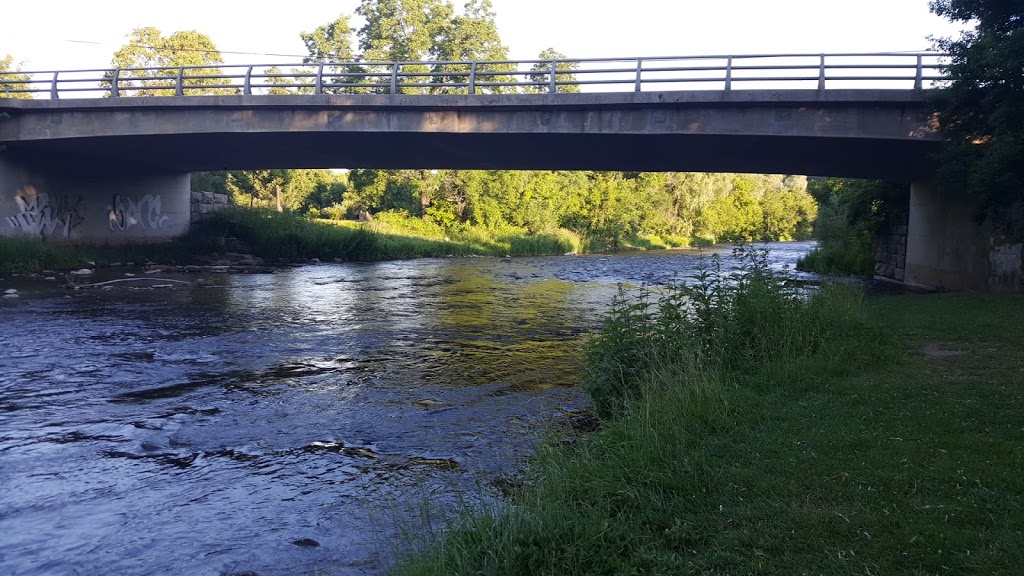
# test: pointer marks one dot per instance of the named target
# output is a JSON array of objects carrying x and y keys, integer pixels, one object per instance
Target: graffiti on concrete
[
  {"x": 146, "y": 212},
  {"x": 39, "y": 214}
]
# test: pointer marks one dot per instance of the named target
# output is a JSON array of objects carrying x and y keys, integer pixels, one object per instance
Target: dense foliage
[
  {"x": 14, "y": 79},
  {"x": 851, "y": 215},
  {"x": 980, "y": 110},
  {"x": 607, "y": 209},
  {"x": 148, "y": 48}
]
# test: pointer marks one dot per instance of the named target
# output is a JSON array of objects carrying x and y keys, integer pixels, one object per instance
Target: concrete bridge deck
[{"x": 855, "y": 133}]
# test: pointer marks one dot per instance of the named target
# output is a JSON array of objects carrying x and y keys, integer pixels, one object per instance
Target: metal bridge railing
[{"x": 755, "y": 71}]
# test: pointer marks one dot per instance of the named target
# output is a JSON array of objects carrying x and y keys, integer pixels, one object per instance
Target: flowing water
[{"x": 285, "y": 423}]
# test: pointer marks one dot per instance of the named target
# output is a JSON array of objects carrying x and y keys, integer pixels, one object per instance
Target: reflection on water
[{"x": 278, "y": 424}]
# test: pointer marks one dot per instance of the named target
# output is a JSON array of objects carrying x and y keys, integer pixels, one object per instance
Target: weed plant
[{"x": 721, "y": 319}]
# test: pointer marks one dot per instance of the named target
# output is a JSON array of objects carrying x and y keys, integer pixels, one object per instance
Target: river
[{"x": 286, "y": 423}]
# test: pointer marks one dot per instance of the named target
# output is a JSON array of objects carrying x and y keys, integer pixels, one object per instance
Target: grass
[
  {"x": 853, "y": 255},
  {"x": 277, "y": 237},
  {"x": 18, "y": 255},
  {"x": 861, "y": 456}
]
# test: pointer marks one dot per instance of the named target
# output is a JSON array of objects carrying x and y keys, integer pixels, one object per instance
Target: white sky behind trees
[{"x": 75, "y": 34}]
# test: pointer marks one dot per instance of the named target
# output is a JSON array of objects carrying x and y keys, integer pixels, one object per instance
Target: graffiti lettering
[
  {"x": 38, "y": 215},
  {"x": 126, "y": 212}
]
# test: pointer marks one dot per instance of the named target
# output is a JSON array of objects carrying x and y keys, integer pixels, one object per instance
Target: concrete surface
[{"x": 855, "y": 133}]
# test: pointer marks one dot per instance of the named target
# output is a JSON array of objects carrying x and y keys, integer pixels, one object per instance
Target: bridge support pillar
[
  {"x": 72, "y": 200},
  {"x": 948, "y": 249}
]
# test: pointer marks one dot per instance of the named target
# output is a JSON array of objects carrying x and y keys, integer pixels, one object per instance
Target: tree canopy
[
  {"x": 14, "y": 79},
  {"x": 331, "y": 42},
  {"x": 981, "y": 110},
  {"x": 148, "y": 48},
  {"x": 425, "y": 30}
]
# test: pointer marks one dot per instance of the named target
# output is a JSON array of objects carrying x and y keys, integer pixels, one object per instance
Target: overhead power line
[{"x": 197, "y": 50}]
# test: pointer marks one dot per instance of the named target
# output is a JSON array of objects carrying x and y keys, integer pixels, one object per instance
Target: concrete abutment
[
  {"x": 70, "y": 200},
  {"x": 948, "y": 249}
]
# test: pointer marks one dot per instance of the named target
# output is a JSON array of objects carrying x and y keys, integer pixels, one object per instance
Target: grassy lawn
[
  {"x": 914, "y": 468},
  {"x": 901, "y": 454}
]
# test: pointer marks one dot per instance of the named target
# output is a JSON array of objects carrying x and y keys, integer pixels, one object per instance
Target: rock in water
[
  {"x": 82, "y": 272},
  {"x": 306, "y": 543}
]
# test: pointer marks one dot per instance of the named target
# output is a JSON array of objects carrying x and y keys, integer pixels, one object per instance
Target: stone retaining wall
[
  {"x": 1006, "y": 269},
  {"x": 204, "y": 203},
  {"x": 891, "y": 258}
]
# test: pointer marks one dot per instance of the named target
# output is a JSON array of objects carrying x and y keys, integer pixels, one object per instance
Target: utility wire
[
  {"x": 238, "y": 53},
  {"x": 198, "y": 50}
]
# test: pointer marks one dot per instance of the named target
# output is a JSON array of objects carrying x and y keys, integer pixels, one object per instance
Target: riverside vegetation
[
  {"x": 851, "y": 215},
  {"x": 286, "y": 237},
  {"x": 750, "y": 429},
  {"x": 512, "y": 213}
]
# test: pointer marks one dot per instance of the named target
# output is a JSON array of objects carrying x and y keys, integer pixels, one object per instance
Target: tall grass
[
  {"x": 276, "y": 237},
  {"x": 853, "y": 256},
  {"x": 730, "y": 319},
  {"x": 22, "y": 255},
  {"x": 286, "y": 236}
]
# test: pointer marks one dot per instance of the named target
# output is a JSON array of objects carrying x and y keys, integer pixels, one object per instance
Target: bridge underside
[
  {"x": 813, "y": 156},
  {"x": 855, "y": 133},
  {"x": 63, "y": 200}
]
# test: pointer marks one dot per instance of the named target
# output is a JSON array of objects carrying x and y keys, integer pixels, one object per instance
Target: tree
[
  {"x": 403, "y": 31},
  {"x": 260, "y": 186},
  {"x": 541, "y": 76},
  {"x": 472, "y": 36},
  {"x": 276, "y": 79},
  {"x": 332, "y": 44},
  {"x": 980, "y": 111},
  {"x": 148, "y": 48},
  {"x": 13, "y": 79}
]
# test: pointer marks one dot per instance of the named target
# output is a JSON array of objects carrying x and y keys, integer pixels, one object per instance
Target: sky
[{"x": 77, "y": 34}]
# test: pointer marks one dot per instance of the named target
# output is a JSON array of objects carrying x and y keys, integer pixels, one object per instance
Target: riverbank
[
  {"x": 893, "y": 448},
  {"x": 274, "y": 238}
]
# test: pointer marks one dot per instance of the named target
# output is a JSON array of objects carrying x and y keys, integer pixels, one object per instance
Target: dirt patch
[{"x": 936, "y": 350}]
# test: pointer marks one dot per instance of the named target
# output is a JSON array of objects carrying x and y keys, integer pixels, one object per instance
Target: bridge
[{"x": 86, "y": 161}]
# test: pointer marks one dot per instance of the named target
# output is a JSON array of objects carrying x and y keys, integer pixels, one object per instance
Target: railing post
[
  {"x": 821, "y": 73},
  {"x": 553, "y": 86},
  {"x": 472, "y": 78},
  {"x": 639, "y": 71},
  {"x": 728, "y": 74},
  {"x": 247, "y": 89},
  {"x": 319, "y": 79},
  {"x": 114, "y": 91},
  {"x": 394, "y": 78},
  {"x": 179, "y": 90},
  {"x": 54, "y": 94},
  {"x": 919, "y": 77}
]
